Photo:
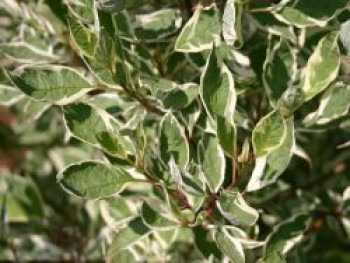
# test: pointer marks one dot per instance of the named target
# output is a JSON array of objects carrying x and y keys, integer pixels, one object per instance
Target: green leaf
[
  {"x": 112, "y": 6},
  {"x": 234, "y": 208},
  {"x": 286, "y": 235},
  {"x": 9, "y": 95},
  {"x": 128, "y": 236},
  {"x": 345, "y": 36},
  {"x": 322, "y": 67},
  {"x": 273, "y": 258},
  {"x": 123, "y": 25},
  {"x": 102, "y": 63},
  {"x": 217, "y": 89},
  {"x": 111, "y": 144},
  {"x": 85, "y": 10},
  {"x": 201, "y": 31},
  {"x": 229, "y": 246},
  {"x": 205, "y": 243},
  {"x": 280, "y": 69},
  {"x": 243, "y": 238},
  {"x": 87, "y": 122},
  {"x": 115, "y": 210},
  {"x": 213, "y": 162},
  {"x": 269, "y": 134},
  {"x": 54, "y": 84},
  {"x": 268, "y": 23},
  {"x": 269, "y": 168},
  {"x": 26, "y": 53},
  {"x": 83, "y": 37},
  {"x": 310, "y": 13},
  {"x": 279, "y": 159},
  {"x": 181, "y": 97},
  {"x": 22, "y": 197},
  {"x": 157, "y": 85},
  {"x": 226, "y": 133},
  {"x": 228, "y": 22},
  {"x": 93, "y": 179},
  {"x": 155, "y": 220},
  {"x": 334, "y": 104},
  {"x": 158, "y": 24},
  {"x": 173, "y": 142}
]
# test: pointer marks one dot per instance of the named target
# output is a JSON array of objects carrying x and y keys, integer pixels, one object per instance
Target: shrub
[{"x": 183, "y": 131}]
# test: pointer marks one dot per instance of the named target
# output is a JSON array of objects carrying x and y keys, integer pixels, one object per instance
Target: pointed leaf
[
  {"x": 181, "y": 97},
  {"x": 286, "y": 235},
  {"x": 213, "y": 162},
  {"x": 87, "y": 122},
  {"x": 9, "y": 95},
  {"x": 234, "y": 208},
  {"x": 269, "y": 134},
  {"x": 93, "y": 179},
  {"x": 230, "y": 246},
  {"x": 322, "y": 67},
  {"x": 84, "y": 38},
  {"x": 226, "y": 133},
  {"x": 345, "y": 36},
  {"x": 155, "y": 220},
  {"x": 54, "y": 84},
  {"x": 112, "y": 6},
  {"x": 128, "y": 236},
  {"x": 268, "y": 169},
  {"x": 335, "y": 103},
  {"x": 205, "y": 243},
  {"x": 217, "y": 89},
  {"x": 228, "y": 22},
  {"x": 26, "y": 53},
  {"x": 158, "y": 24},
  {"x": 201, "y": 31},
  {"x": 173, "y": 141},
  {"x": 311, "y": 12},
  {"x": 279, "y": 69},
  {"x": 111, "y": 144}
]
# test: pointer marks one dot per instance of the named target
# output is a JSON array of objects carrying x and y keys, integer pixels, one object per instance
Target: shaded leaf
[
  {"x": 154, "y": 219},
  {"x": 285, "y": 236},
  {"x": 310, "y": 13}
]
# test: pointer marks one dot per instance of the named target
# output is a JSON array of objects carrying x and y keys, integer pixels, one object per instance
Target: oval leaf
[
  {"x": 217, "y": 89},
  {"x": 230, "y": 246},
  {"x": 93, "y": 179},
  {"x": 322, "y": 67},
  {"x": 88, "y": 123},
  {"x": 173, "y": 143},
  {"x": 234, "y": 208},
  {"x": 201, "y": 31},
  {"x": 213, "y": 162},
  {"x": 55, "y": 84},
  {"x": 269, "y": 134},
  {"x": 128, "y": 236}
]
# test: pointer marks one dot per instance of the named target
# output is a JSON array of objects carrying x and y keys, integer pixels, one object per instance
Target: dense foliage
[{"x": 175, "y": 131}]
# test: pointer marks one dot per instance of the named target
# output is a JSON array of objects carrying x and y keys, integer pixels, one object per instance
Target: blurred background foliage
[{"x": 38, "y": 221}]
